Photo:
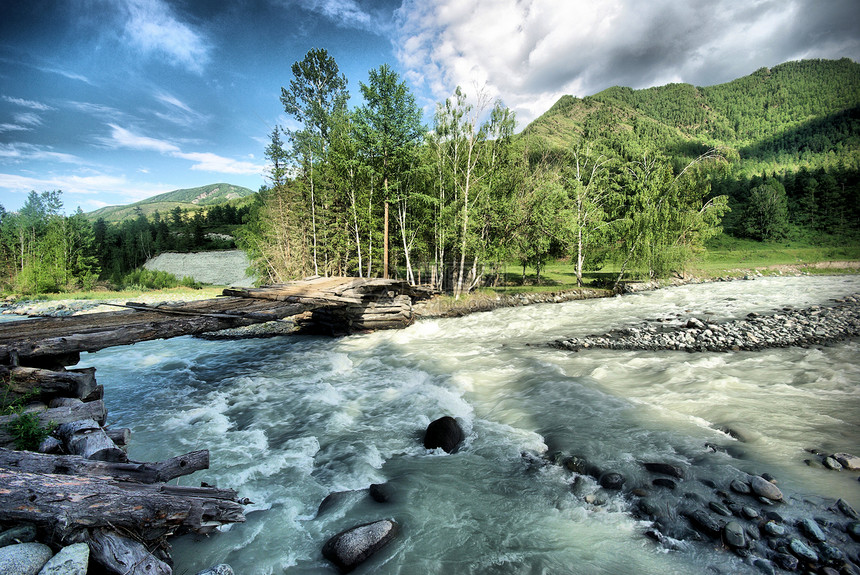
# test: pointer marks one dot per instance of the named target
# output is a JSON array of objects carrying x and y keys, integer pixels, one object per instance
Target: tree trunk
[
  {"x": 123, "y": 556},
  {"x": 87, "y": 439},
  {"x": 22, "y": 381},
  {"x": 157, "y": 472},
  {"x": 68, "y": 506},
  {"x": 92, "y": 410}
]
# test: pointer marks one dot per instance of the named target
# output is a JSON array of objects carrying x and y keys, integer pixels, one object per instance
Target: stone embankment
[{"x": 817, "y": 325}]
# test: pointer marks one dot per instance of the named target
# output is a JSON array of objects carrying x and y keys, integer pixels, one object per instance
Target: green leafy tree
[{"x": 766, "y": 216}]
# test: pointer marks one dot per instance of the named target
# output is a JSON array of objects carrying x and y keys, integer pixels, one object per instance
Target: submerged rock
[
  {"x": 348, "y": 549},
  {"x": 704, "y": 523},
  {"x": 665, "y": 469},
  {"x": 612, "y": 480},
  {"x": 222, "y": 569},
  {"x": 445, "y": 432}
]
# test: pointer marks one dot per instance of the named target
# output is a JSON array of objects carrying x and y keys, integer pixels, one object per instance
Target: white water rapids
[{"x": 290, "y": 420}]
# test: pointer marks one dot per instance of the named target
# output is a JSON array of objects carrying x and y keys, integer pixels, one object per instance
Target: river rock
[
  {"x": 24, "y": 558},
  {"x": 221, "y": 569},
  {"x": 665, "y": 469},
  {"x": 832, "y": 464},
  {"x": 811, "y": 529},
  {"x": 749, "y": 512},
  {"x": 802, "y": 551},
  {"x": 719, "y": 508},
  {"x": 847, "y": 460},
  {"x": 853, "y": 530},
  {"x": 739, "y": 486},
  {"x": 734, "y": 534},
  {"x": 381, "y": 492},
  {"x": 764, "y": 488},
  {"x": 20, "y": 534},
  {"x": 764, "y": 566},
  {"x": 830, "y": 554},
  {"x": 348, "y": 549},
  {"x": 774, "y": 529},
  {"x": 664, "y": 482},
  {"x": 611, "y": 480},
  {"x": 846, "y": 509},
  {"x": 71, "y": 560},
  {"x": 704, "y": 523},
  {"x": 786, "y": 561},
  {"x": 445, "y": 432}
]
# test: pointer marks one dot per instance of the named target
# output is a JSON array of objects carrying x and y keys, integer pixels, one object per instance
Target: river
[{"x": 290, "y": 420}]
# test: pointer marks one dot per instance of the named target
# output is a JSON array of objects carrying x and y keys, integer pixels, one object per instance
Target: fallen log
[
  {"x": 69, "y": 506},
  {"x": 123, "y": 556},
  {"x": 92, "y": 410},
  {"x": 87, "y": 439},
  {"x": 157, "y": 472},
  {"x": 22, "y": 381}
]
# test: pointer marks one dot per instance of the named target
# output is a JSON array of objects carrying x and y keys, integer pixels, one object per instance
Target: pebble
[
  {"x": 764, "y": 488},
  {"x": 811, "y": 529},
  {"x": 739, "y": 486},
  {"x": 802, "y": 551},
  {"x": 775, "y": 529},
  {"x": 749, "y": 512}
]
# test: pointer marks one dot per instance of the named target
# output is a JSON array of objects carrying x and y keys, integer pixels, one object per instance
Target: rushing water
[{"x": 290, "y": 420}]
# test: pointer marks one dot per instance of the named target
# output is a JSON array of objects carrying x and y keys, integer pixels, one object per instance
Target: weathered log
[
  {"x": 67, "y": 506},
  {"x": 157, "y": 472},
  {"x": 78, "y": 383},
  {"x": 87, "y": 439},
  {"x": 93, "y": 410},
  {"x": 123, "y": 556}
]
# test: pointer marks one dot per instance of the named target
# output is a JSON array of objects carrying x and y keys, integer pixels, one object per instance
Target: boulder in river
[
  {"x": 348, "y": 549},
  {"x": 445, "y": 432},
  {"x": 847, "y": 460},
  {"x": 734, "y": 535},
  {"x": 665, "y": 469},
  {"x": 612, "y": 480},
  {"x": 764, "y": 488}
]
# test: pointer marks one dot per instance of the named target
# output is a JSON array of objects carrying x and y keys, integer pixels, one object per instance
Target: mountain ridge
[{"x": 185, "y": 198}]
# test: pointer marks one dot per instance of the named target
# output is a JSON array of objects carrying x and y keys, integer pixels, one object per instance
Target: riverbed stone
[
  {"x": 741, "y": 487},
  {"x": 703, "y": 522},
  {"x": 802, "y": 551},
  {"x": 832, "y": 464},
  {"x": 853, "y": 530},
  {"x": 764, "y": 566},
  {"x": 719, "y": 508},
  {"x": 830, "y": 554},
  {"x": 774, "y": 529},
  {"x": 847, "y": 460},
  {"x": 764, "y": 488},
  {"x": 348, "y": 549},
  {"x": 749, "y": 512},
  {"x": 24, "y": 558},
  {"x": 811, "y": 529},
  {"x": 846, "y": 509},
  {"x": 665, "y": 469},
  {"x": 734, "y": 534},
  {"x": 611, "y": 480},
  {"x": 664, "y": 482},
  {"x": 19, "y": 534},
  {"x": 444, "y": 432},
  {"x": 71, "y": 560},
  {"x": 786, "y": 561}
]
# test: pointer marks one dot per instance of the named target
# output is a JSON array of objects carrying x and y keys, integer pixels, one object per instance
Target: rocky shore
[{"x": 816, "y": 325}]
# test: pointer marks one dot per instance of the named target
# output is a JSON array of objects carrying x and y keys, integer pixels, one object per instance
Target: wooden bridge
[{"x": 338, "y": 305}]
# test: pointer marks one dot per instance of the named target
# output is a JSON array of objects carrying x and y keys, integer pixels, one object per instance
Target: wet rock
[
  {"x": 774, "y": 529},
  {"x": 646, "y": 508},
  {"x": 811, "y": 529},
  {"x": 786, "y": 561},
  {"x": 665, "y": 469},
  {"x": 612, "y": 480},
  {"x": 664, "y": 482},
  {"x": 734, "y": 535},
  {"x": 814, "y": 463},
  {"x": 853, "y": 530},
  {"x": 749, "y": 512},
  {"x": 764, "y": 488},
  {"x": 445, "y": 432},
  {"x": 348, "y": 549},
  {"x": 830, "y": 554},
  {"x": 764, "y": 566},
  {"x": 740, "y": 487},
  {"x": 832, "y": 464},
  {"x": 24, "y": 558},
  {"x": 333, "y": 500},
  {"x": 846, "y": 509},
  {"x": 847, "y": 460},
  {"x": 720, "y": 509},
  {"x": 71, "y": 560},
  {"x": 381, "y": 492},
  {"x": 802, "y": 551},
  {"x": 703, "y": 522},
  {"x": 20, "y": 534},
  {"x": 222, "y": 569},
  {"x": 576, "y": 464}
]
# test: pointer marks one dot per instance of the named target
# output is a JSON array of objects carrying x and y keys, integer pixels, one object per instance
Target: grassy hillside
[
  {"x": 798, "y": 113},
  {"x": 191, "y": 199}
]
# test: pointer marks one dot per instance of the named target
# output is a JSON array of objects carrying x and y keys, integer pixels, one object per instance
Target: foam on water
[{"x": 292, "y": 420}]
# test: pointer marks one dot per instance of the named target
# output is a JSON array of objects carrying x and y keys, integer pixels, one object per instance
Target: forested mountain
[
  {"x": 191, "y": 199},
  {"x": 804, "y": 113}
]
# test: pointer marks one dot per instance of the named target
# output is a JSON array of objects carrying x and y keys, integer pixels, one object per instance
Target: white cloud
[
  {"x": 28, "y": 104},
  {"x": 178, "y": 112},
  {"x": 344, "y": 13},
  {"x": 28, "y": 119},
  {"x": 203, "y": 161},
  {"x": 153, "y": 27},
  {"x": 531, "y": 52},
  {"x": 17, "y": 152},
  {"x": 13, "y": 128}
]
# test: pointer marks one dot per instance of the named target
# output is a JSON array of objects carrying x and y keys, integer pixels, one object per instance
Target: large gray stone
[
  {"x": 811, "y": 529},
  {"x": 764, "y": 488},
  {"x": 24, "y": 558},
  {"x": 444, "y": 432},
  {"x": 348, "y": 549},
  {"x": 71, "y": 560},
  {"x": 734, "y": 534},
  {"x": 847, "y": 460}
]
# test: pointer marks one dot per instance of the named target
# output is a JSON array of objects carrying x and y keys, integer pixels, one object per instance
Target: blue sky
[{"x": 113, "y": 101}]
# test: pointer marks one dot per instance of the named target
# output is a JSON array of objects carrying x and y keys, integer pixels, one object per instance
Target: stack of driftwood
[
  {"x": 81, "y": 486},
  {"x": 344, "y": 305}
]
